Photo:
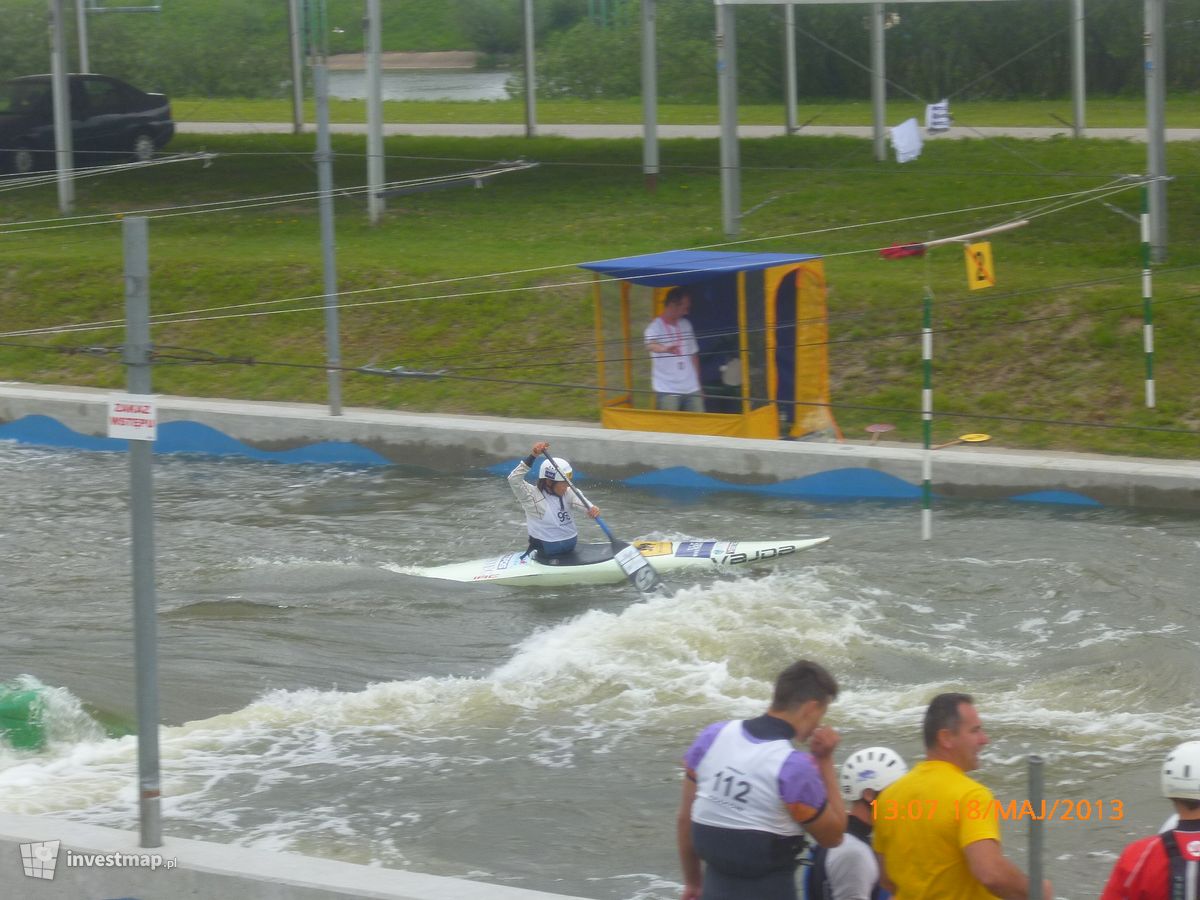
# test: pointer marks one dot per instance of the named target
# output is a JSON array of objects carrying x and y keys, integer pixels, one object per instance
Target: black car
[{"x": 108, "y": 117}]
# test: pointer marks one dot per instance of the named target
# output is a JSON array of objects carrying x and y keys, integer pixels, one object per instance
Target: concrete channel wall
[
  {"x": 94, "y": 863},
  {"x": 293, "y": 432}
]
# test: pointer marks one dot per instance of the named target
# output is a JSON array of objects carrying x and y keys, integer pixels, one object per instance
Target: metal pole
[
  {"x": 81, "y": 29},
  {"x": 878, "y": 84},
  {"x": 649, "y": 94},
  {"x": 1078, "y": 71},
  {"x": 731, "y": 190},
  {"x": 141, "y": 503},
  {"x": 324, "y": 160},
  {"x": 375, "y": 160},
  {"x": 295, "y": 34},
  {"x": 789, "y": 67},
  {"x": 1156, "y": 152},
  {"x": 1147, "y": 299},
  {"x": 1036, "y": 823},
  {"x": 64, "y": 155},
  {"x": 530, "y": 74}
]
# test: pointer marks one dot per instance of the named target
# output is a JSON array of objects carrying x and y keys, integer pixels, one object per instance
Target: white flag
[
  {"x": 906, "y": 140},
  {"x": 937, "y": 117}
]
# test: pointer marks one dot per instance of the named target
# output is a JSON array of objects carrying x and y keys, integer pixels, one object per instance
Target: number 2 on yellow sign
[{"x": 981, "y": 272}]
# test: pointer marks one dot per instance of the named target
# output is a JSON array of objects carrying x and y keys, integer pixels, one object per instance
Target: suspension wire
[
  {"x": 210, "y": 358},
  {"x": 216, "y": 206},
  {"x": 708, "y": 169},
  {"x": 1004, "y": 65},
  {"x": 924, "y": 101},
  {"x": 201, "y": 356},
  {"x": 241, "y": 203},
  {"x": 173, "y": 317},
  {"x": 760, "y": 400},
  {"x": 833, "y": 342},
  {"x": 17, "y": 182}
]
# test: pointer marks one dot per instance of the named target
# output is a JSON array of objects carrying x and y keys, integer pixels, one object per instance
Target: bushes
[{"x": 1013, "y": 49}]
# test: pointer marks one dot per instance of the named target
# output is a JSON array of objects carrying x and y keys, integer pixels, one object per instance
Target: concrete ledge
[
  {"x": 206, "y": 871},
  {"x": 457, "y": 444}
]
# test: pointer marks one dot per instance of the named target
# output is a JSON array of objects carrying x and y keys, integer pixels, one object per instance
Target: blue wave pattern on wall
[
  {"x": 192, "y": 437},
  {"x": 837, "y": 484},
  {"x": 188, "y": 437},
  {"x": 850, "y": 483},
  {"x": 845, "y": 484}
]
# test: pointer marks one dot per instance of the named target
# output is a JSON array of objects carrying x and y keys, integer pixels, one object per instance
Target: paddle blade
[{"x": 638, "y": 570}]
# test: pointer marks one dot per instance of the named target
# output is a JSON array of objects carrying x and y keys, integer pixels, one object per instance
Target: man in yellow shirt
[{"x": 936, "y": 830}]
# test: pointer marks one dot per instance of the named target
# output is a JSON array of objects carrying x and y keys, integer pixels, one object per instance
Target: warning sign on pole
[
  {"x": 981, "y": 273},
  {"x": 133, "y": 417}
]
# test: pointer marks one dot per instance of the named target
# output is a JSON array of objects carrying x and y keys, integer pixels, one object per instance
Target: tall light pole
[
  {"x": 81, "y": 29},
  {"x": 296, "y": 42},
  {"x": 375, "y": 160},
  {"x": 530, "y": 71},
  {"x": 319, "y": 50},
  {"x": 731, "y": 191},
  {"x": 1156, "y": 150},
  {"x": 141, "y": 503},
  {"x": 64, "y": 150},
  {"x": 650, "y": 93}
]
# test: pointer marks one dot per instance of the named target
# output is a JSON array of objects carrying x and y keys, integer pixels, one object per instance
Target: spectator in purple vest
[{"x": 749, "y": 795}]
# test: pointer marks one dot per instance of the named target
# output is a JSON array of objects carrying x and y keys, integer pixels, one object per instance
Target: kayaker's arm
[{"x": 526, "y": 494}]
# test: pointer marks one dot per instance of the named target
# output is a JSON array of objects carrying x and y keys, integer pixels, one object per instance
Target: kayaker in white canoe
[{"x": 549, "y": 506}]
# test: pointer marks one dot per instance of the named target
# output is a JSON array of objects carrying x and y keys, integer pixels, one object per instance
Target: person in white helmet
[
  {"x": 549, "y": 506},
  {"x": 1166, "y": 866},
  {"x": 850, "y": 871}
]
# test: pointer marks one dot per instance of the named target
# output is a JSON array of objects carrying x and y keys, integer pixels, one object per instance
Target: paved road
[{"x": 670, "y": 131}]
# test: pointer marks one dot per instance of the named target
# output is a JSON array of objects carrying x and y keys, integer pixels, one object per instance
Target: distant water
[
  {"x": 316, "y": 701},
  {"x": 422, "y": 84}
]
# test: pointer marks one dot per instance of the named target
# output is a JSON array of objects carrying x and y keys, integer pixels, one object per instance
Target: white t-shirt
[
  {"x": 852, "y": 869},
  {"x": 672, "y": 373}
]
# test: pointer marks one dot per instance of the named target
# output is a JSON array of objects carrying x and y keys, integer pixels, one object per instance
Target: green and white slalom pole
[
  {"x": 927, "y": 370},
  {"x": 927, "y": 415},
  {"x": 1147, "y": 298}
]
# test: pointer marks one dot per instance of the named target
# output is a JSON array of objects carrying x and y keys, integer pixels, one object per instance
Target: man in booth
[{"x": 674, "y": 356}]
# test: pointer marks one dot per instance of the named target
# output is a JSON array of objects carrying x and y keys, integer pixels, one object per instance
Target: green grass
[
  {"x": 1183, "y": 111},
  {"x": 1057, "y": 341},
  {"x": 406, "y": 25}
]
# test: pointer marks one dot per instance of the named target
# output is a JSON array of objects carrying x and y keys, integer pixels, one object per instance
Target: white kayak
[{"x": 594, "y": 563}]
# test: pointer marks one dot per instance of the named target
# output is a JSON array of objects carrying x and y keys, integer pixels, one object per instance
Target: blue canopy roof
[{"x": 689, "y": 266}]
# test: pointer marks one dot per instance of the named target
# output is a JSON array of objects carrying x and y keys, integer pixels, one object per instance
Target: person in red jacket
[{"x": 1166, "y": 866}]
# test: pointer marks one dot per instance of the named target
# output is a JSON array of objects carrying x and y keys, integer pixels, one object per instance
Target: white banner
[
  {"x": 937, "y": 117},
  {"x": 133, "y": 417},
  {"x": 906, "y": 141}
]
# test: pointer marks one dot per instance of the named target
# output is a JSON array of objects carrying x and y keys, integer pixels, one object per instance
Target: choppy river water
[{"x": 316, "y": 700}]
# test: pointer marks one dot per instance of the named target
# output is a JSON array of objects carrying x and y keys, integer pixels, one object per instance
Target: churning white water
[{"x": 315, "y": 700}]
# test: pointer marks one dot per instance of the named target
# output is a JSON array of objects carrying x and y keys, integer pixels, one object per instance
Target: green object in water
[{"x": 21, "y": 723}]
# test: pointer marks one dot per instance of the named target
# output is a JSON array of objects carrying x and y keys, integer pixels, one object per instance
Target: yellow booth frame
[{"x": 763, "y": 314}]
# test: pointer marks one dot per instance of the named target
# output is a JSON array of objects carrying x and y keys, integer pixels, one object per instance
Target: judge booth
[{"x": 761, "y": 326}]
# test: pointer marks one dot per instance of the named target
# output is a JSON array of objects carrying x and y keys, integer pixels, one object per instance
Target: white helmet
[
  {"x": 1181, "y": 772},
  {"x": 548, "y": 471},
  {"x": 874, "y": 768}
]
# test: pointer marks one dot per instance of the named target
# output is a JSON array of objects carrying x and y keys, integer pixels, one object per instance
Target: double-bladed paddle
[{"x": 635, "y": 566}]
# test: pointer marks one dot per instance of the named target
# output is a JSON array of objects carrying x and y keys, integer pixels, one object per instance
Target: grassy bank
[
  {"x": 1058, "y": 341},
  {"x": 1182, "y": 111}
]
